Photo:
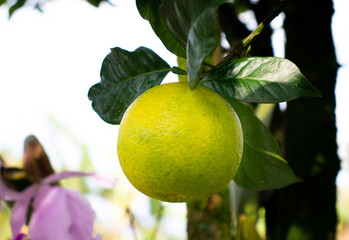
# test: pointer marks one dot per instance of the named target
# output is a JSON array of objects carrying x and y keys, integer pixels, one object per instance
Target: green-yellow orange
[{"x": 180, "y": 145}]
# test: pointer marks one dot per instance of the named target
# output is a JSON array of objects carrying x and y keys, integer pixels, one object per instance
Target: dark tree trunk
[{"x": 307, "y": 210}]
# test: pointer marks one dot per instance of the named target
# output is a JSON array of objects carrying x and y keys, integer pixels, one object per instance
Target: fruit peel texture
[{"x": 178, "y": 145}]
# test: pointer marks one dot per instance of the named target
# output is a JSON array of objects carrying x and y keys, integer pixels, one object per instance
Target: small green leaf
[
  {"x": 124, "y": 76},
  {"x": 16, "y": 6},
  {"x": 96, "y": 2},
  {"x": 150, "y": 10},
  {"x": 194, "y": 24},
  {"x": 179, "y": 71},
  {"x": 38, "y": 7},
  {"x": 260, "y": 80},
  {"x": 261, "y": 167}
]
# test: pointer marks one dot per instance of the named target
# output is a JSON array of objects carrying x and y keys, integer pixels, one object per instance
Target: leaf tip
[
  {"x": 192, "y": 85},
  {"x": 317, "y": 93},
  {"x": 314, "y": 93},
  {"x": 297, "y": 179},
  {"x": 193, "y": 80}
]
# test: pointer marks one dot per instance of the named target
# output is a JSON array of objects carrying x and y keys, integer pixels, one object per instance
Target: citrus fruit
[{"x": 179, "y": 145}]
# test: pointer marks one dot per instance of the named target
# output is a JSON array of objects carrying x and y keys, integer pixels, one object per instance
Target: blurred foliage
[
  {"x": 343, "y": 205},
  {"x": 13, "y": 6},
  {"x": 120, "y": 212},
  {"x": 5, "y": 218},
  {"x": 246, "y": 229}
]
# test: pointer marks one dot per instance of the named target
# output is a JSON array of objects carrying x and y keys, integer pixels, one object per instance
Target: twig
[
  {"x": 132, "y": 222},
  {"x": 157, "y": 222},
  {"x": 246, "y": 42}
]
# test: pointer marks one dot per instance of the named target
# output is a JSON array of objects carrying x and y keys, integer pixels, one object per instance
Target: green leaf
[
  {"x": 96, "y": 2},
  {"x": 260, "y": 80},
  {"x": 150, "y": 10},
  {"x": 194, "y": 24},
  {"x": 16, "y": 6},
  {"x": 124, "y": 76},
  {"x": 241, "y": 6},
  {"x": 38, "y": 7},
  {"x": 2, "y": 2},
  {"x": 261, "y": 167}
]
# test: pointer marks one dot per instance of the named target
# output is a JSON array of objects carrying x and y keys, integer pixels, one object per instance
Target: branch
[{"x": 246, "y": 42}]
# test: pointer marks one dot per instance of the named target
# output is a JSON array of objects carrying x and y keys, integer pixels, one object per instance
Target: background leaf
[
  {"x": 261, "y": 167},
  {"x": 194, "y": 24},
  {"x": 261, "y": 80},
  {"x": 150, "y": 10},
  {"x": 124, "y": 76},
  {"x": 16, "y": 6},
  {"x": 96, "y": 2}
]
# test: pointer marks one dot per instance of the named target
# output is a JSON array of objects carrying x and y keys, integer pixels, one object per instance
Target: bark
[{"x": 307, "y": 210}]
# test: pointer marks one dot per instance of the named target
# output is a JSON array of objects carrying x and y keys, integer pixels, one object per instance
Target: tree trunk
[{"x": 307, "y": 210}]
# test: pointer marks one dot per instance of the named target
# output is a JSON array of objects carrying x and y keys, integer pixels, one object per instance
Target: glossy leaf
[
  {"x": 194, "y": 24},
  {"x": 261, "y": 167},
  {"x": 124, "y": 76},
  {"x": 260, "y": 80},
  {"x": 150, "y": 10}
]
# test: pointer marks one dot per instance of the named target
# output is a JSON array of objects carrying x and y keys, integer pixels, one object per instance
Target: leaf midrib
[
  {"x": 145, "y": 74},
  {"x": 246, "y": 79}
]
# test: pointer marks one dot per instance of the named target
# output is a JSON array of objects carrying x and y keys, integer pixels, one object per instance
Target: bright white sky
[
  {"x": 49, "y": 60},
  {"x": 341, "y": 40}
]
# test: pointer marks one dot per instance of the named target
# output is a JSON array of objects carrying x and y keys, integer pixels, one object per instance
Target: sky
[
  {"x": 341, "y": 41},
  {"x": 49, "y": 60}
]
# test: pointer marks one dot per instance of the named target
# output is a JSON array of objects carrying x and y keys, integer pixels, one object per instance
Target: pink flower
[
  {"x": 22, "y": 236},
  {"x": 58, "y": 213}
]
